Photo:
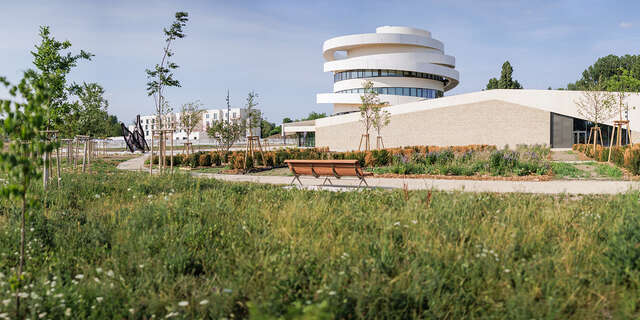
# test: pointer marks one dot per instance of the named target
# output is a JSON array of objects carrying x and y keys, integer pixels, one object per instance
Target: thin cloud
[{"x": 625, "y": 25}]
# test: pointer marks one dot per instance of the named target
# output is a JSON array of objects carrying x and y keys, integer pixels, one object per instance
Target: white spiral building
[{"x": 405, "y": 65}]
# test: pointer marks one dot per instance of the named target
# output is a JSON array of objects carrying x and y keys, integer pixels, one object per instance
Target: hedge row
[
  {"x": 626, "y": 156},
  {"x": 276, "y": 158}
]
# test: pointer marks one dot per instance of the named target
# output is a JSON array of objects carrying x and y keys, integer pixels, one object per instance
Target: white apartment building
[{"x": 209, "y": 117}]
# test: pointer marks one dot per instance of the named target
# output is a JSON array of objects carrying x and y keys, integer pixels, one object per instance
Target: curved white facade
[{"x": 405, "y": 65}]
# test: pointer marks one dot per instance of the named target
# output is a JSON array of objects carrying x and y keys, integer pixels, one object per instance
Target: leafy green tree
[
  {"x": 92, "y": 113},
  {"x": 605, "y": 68},
  {"x": 266, "y": 128},
  {"x": 52, "y": 66},
  {"x": 226, "y": 133},
  {"x": 287, "y": 120},
  {"x": 22, "y": 142},
  {"x": 162, "y": 74},
  {"x": 314, "y": 115},
  {"x": 620, "y": 85},
  {"x": 506, "y": 79}
]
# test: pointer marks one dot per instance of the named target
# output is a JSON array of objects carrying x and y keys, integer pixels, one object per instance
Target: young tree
[
  {"x": 190, "y": 117},
  {"x": 381, "y": 119},
  {"x": 596, "y": 106},
  {"x": 226, "y": 133},
  {"x": 162, "y": 74},
  {"x": 52, "y": 67},
  {"x": 506, "y": 79},
  {"x": 254, "y": 116},
  {"x": 22, "y": 142},
  {"x": 370, "y": 105}
]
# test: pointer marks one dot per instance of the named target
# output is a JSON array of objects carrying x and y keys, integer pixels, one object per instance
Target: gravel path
[
  {"x": 135, "y": 164},
  {"x": 542, "y": 187}
]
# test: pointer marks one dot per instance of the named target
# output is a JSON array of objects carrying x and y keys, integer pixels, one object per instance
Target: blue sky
[{"x": 274, "y": 47}]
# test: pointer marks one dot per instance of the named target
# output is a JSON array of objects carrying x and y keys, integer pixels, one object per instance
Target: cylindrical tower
[{"x": 405, "y": 65}]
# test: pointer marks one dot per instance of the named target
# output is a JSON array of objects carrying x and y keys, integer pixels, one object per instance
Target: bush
[
  {"x": 204, "y": 160},
  {"x": 216, "y": 159}
]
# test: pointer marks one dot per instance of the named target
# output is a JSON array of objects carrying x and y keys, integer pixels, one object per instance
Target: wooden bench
[{"x": 327, "y": 169}]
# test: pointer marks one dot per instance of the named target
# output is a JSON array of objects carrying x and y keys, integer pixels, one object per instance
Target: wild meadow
[{"x": 122, "y": 245}]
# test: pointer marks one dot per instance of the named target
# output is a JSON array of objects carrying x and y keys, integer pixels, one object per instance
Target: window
[
  {"x": 384, "y": 73},
  {"x": 413, "y": 92},
  {"x": 215, "y": 116},
  {"x": 234, "y": 115},
  {"x": 206, "y": 116},
  {"x": 368, "y": 74},
  {"x": 383, "y": 90},
  {"x": 405, "y": 91}
]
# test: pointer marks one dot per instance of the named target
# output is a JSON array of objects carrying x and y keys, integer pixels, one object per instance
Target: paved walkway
[
  {"x": 542, "y": 187},
  {"x": 545, "y": 187},
  {"x": 135, "y": 164}
]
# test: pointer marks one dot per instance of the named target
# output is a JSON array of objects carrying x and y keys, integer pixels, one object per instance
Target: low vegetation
[
  {"x": 459, "y": 160},
  {"x": 127, "y": 245},
  {"x": 627, "y": 157}
]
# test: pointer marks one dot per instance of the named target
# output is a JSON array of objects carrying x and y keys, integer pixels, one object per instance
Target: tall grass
[{"x": 126, "y": 245}]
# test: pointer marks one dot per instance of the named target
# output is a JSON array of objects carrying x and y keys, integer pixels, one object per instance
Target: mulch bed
[{"x": 545, "y": 177}]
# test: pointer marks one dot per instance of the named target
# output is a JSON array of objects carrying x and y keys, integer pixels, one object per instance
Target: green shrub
[
  {"x": 204, "y": 160},
  {"x": 216, "y": 159}
]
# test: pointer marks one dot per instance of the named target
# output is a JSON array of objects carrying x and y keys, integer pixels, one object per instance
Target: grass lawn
[
  {"x": 122, "y": 245},
  {"x": 586, "y": 170}
]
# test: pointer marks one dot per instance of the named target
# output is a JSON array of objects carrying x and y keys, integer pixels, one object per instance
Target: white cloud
[{"x": 625, "y": 25}]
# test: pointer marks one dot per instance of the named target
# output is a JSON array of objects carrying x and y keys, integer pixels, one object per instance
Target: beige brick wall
[{"x": 491, "y": 122}]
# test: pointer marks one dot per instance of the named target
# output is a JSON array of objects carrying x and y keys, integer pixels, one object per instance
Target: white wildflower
[
  {"x": 132, "y": 310},
  {"x": 6, "y": 302},
  {"x": 110, "y": 273},
  {"x": 99, "y": 299},
  {"x": 99, "y": 270},
  {"x": 332, "y": 293},
  {"x": 96, "y": 280},
  {"x": 414, "y": 221},
  {"x": 397, "y": 223},
  {"x": 507, "y": 270},
  {"x": 225, "y": 290},
  {"x": 171, "y": 315},
  {"x": 42, "y": 315},
  {"x": 79, "y": 276},
  {"x": 97, "y": 196},
  {"x": 203, "y": 302},
  {"x": 32, "y": 229},
  {"x": 67, "y": 312},
  {"x": 23, "y": 295},
  {"x": 183, "y": 303},
  {"x": 58, "y": 296},
  {"x": 141, "y": 266}
]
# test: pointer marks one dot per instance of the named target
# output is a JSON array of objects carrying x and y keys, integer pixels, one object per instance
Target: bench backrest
[{"x": 336, "y": 168}]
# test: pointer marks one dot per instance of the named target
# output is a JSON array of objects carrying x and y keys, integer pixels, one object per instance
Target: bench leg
[
  {"x": 362, "y": 180},
  {"x": 325, "y": 181},
  {"x": 296, "y": 177}
]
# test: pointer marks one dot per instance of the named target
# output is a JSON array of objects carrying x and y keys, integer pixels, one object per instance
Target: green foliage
[
  {"x": 21, "y": 145},
  {"x": 606, "y": 68},
  {"x": 226, "y": 133},
  {"x": 506, "y": 79},
  {"x": 126, "y": 245},
  {"x": 563, "y": 169},
  {"x": 446, "y": 162},
  {"x": 53, "y": 65},
  {"x": 91, "y": 117}
]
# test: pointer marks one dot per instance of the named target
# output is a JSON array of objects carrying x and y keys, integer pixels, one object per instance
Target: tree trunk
[{"x": 21, "y": 263}]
